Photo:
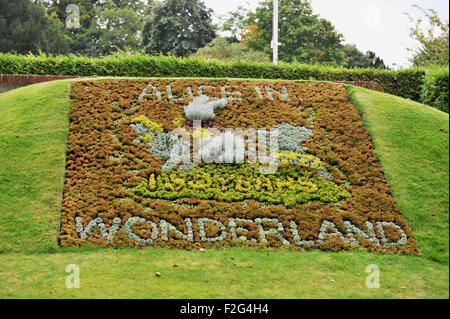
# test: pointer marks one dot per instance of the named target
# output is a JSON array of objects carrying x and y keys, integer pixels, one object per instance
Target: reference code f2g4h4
[
  {"x": 246, "y": 309},
  {"x": 230, "y": 309}
]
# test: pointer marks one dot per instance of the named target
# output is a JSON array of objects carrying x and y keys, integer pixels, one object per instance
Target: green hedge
[
  {"x": 435, "y": 89},
  {"x": 405, "y": 83}
]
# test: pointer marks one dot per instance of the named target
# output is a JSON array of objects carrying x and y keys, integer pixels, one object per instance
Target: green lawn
[{"x": 411, "y": 140}]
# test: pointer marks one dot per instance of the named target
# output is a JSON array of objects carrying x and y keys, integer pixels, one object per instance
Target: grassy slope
[
  {"x": 33, "y": 130},
  {"x": 33, "y": 135},
  {"x": 412, "y": 142}
]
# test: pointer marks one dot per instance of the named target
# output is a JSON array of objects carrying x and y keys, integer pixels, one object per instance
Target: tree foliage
[
  {"x": 375, "y": 61},
  {"x": 356, "y": 59},
  {"x": 26, "y": 27},
  {"x": 433, "y": 40},
  {"x": 304, "y": 36},
  {"x": 106, "y": 26},
  {"x": 222, "y": 49},
  {"x": 118, "y": 26},
  {"x": 178, "y": 27},
  {"x": 80, "y": 39},
  {"x": 235, "y": 23}
]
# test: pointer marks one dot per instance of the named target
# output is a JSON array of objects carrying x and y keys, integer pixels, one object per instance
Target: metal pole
[{"x": 275, "y": 43}]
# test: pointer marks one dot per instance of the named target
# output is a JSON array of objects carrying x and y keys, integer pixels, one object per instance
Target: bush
[
  {"x": 222, "y": 49},
  {"x": 404, "y": 83},
  {"x": 435, "y": 89}
]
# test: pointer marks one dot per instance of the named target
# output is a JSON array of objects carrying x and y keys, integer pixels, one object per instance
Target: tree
[
  {"x": 178, "y": 27},
  {"x": 142, "y": 8},
  {"x": 235, "y": 22},
  {"x": 222, "y": 49},
  {"x": 303, "y": 35},
  {"x": 433, "y": 46},
  {"x": 26, "y": 27},
  {"x": 118, "y": 26},
  {"x": 106, "y": 26},
  {"x": 375, "y": 61},
  {"x": 356, "y": 59},
  {"x": 81, "y": 39}
]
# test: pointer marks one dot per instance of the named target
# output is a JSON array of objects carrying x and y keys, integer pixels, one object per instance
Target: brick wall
[
  {"x": 10, "y": 82},
  {"x": 30, "y": 79}
]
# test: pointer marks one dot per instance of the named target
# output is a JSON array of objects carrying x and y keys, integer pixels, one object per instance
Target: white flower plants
[
  {"x": 236, "y": 229},
  {"x": 201, "y": 109},
  {"x": 220, "y": 147}
]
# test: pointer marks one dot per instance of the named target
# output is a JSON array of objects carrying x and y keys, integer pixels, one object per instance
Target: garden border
[{"x": 23, "y": 79}]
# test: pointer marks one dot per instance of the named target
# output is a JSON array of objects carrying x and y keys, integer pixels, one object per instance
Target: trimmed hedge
[
  {"x": 435, "y": 89},
  {"x": 404, "y": 83}
]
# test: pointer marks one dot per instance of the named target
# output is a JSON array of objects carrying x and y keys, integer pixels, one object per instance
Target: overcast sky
[{"x": 376, "y": 25}]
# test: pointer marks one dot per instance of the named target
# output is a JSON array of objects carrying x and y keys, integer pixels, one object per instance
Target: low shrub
[
  {"x": 435, "y": 89},
  {"x": 430, "y": 87},
  {"x": 404, "y": 83}
]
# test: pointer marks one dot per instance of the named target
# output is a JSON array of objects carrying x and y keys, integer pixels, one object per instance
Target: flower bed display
[{"x": 125, "y": 187}]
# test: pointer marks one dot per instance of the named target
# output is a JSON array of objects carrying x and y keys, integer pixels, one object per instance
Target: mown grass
[
  {"x": 33, "y": 133},
  {"x": 234, "y": 273},
  {"x": 412, "y": 142},
  {"x": 33, "y": 137}
]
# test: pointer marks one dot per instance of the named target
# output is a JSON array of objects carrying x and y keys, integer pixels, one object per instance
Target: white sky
[{"x": 376, "y": 25}]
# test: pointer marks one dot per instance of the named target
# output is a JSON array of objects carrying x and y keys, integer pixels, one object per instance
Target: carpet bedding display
[{"x": 274, "y": 164}]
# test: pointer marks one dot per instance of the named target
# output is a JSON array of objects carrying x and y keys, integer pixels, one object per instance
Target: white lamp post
[{"x": 275, "y": 44}]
